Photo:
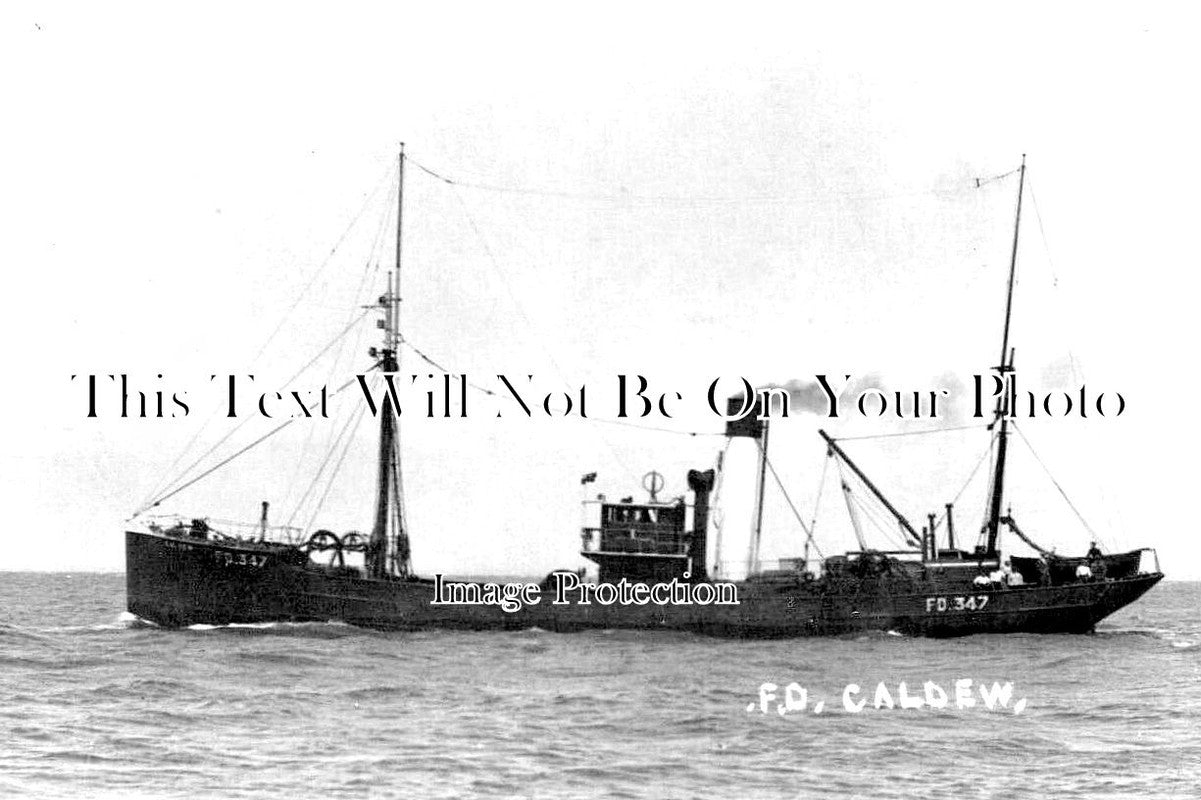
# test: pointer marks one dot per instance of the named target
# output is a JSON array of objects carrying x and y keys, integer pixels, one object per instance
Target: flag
[{"x": 589, "y": 478}]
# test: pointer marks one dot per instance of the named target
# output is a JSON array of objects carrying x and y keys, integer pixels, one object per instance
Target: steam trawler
[{"x": 652, "y": 559}]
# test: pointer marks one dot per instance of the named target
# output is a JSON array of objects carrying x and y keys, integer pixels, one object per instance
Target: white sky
[{"x": 171, "y": 181}]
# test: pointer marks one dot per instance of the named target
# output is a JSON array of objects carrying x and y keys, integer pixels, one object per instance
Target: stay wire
[
  {"x": 821, "y": 485},
  {"x": 492, "y": 260},
  {"x": 985, "y": 181},
  {"x": 366, "y": 204},
  {"x": 368, "y": 270},
  {"x": 1076, "y": 371},
  {"x": 853, "y": 497},
  {"x": 772, "y": 468},
  {"x": 330, "y": 450},
  {"x": 652, "y": 428},
  {"x": 321, "y": 268},
  {"x": 979, "y": 462},
  {"x": 1062, "y": 493},
  {"x": 358, "y": 419},
  {"x": 429, "y": 360},
  {"x": 225, "y": 461},
  {"x": 438, "y": 366},
  {"x": 680, "y": 200},
  {"x": 908, "y": 433},
  {"x": 246, "y": 419}
]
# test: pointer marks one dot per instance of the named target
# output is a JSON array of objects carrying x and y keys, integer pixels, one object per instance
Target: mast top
[
  {"x": 392, "y": 315},
  {"x": 1006, "y": 365},
  {"x": 388, "y": 547},
  {"x": 1005, "y": 362}
]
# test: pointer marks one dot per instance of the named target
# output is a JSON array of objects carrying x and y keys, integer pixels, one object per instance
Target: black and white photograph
[{"x": 533, "y": 400}]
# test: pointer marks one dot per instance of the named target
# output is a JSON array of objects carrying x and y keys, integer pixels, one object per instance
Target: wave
[
  {"x": 122, "y": 622},
  {"x": 1062, "y": 661},
  {"x": 331, "y": 629},
  {"x": 16, "y": 632},
  {"x": 284, "y": 659},
  {"x": 1152, "y": 632},
  {"x": 1173, "y": 637},
  {"x": 377, "y": 693}
]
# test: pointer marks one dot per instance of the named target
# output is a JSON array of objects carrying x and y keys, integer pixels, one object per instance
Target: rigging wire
[
  {"x": 400, "y": 524},
  {"x": 985, "y": 181},
  {"x": 980, "y": 461},
  {"x": 907, "y": 433},
  {"x": 328, "y": 345},
  {"x": 842, "y": 480},
  {"x": 170, "y": 470},
  {"x": 225, "y": 461},
  {"x": 853, "y": 513},
  {"x": 870, "y": 512},
  {"x": 653, "y": 428},
  {"x": 1062, "y": 493},
  {"x": 357, "y": 418},
  {"x": 438, "y": 366},
  {"x": 332, "y": 448},
  {"x": 147, "y": 504},
  {"x": 504, "y": 281},
  {"x": 890, "y": 529},
  {"x": 1076, "y": 373},
  {"x": 683, "y": 200},
  {"x": 821, "y": 485},
  {"x": 808, "y": 530},
  {"x": 492, "y": 260},
  {"x": 167, "y": 482},
  {"x": 386, "y": 180},
  {"x": 427, "y": 359},
  {"x": 771, "y": 467},
  {"x": 308, "y": 439},
  {"x": 370, "y": 267}
]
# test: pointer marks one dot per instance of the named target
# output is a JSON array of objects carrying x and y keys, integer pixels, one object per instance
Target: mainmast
[
  {"x": 384, "y": 550},
  {"x": 752, "y": 560},
  {"x": 1006, "y": 367}
]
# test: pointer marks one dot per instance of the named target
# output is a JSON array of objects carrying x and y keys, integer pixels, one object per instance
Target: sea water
[{"x": 95, "y": 704}]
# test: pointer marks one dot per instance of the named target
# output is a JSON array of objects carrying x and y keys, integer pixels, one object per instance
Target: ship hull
[{"x": 177, "y": 582}]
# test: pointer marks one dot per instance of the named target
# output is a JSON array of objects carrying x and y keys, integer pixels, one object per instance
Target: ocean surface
[{"x": 93, "y": 704}]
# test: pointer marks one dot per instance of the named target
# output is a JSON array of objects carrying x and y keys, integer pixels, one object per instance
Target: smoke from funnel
[{"x": 809, "y": 395}]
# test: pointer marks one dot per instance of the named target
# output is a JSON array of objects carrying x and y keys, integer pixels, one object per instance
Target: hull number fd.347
[
  {"x": 239, "y": 559},
  {"x": 970, "y": 603}
]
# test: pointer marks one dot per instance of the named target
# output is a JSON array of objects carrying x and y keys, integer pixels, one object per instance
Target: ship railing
[
  {"x": 814, "y": 565},
  {"x": 233, "y": 529},
  {"x": 602, "y": 499},
  {"x": 884, "y": 552},
  {"x": 796, "y": 566},
  {"x": 633, "y": 540}
]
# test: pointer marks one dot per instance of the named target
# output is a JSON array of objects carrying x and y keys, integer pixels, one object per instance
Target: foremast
[
  {"x": 388, "y": 547},
  {"x": 993, "y": 522}
]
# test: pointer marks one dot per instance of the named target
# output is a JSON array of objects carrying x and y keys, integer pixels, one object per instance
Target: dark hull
[{"x": 176, "y": 582}]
